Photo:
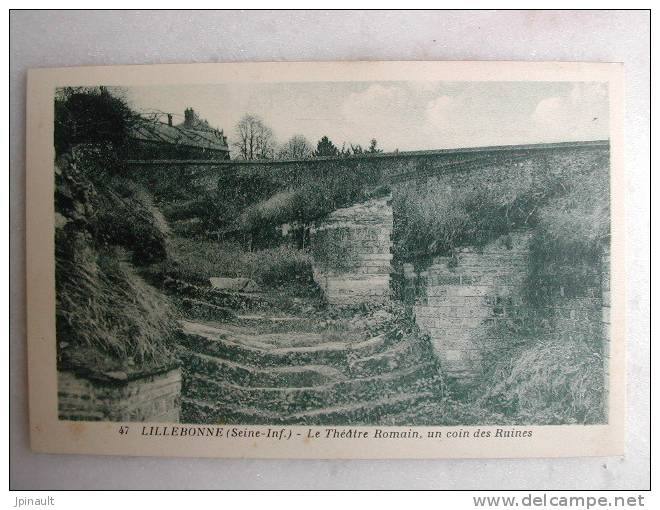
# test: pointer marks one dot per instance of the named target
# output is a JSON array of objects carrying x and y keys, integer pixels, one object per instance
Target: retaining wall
[{"x": 154, "y": 398}]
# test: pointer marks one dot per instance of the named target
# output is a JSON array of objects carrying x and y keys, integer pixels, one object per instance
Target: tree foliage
[
  {"x": 356, "y": 149},
  {"x": 254, "y": 139},
  {"x": 325, "y": 148},
  {"x": 90, "y": 115},
  {"x": 373, "y": 147},
  {"x": 297, "y": 147}
]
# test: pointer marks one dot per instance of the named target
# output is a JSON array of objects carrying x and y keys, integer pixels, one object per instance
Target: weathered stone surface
[
  {"x": 352, "y": 256},
  {"x": 234, "y": 284},
  {"x": 232, "y": 375},
  {"x": 154, "y": 398},
  {"x": 457, "y": 303}
]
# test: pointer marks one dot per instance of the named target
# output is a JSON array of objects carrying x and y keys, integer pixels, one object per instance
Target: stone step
[
  {"x": 245, "y": 375},
  {"x": 263, "y": 324},
  {"x": 302, "y": 348},
  {"x": 199, "y": 309},
  {"x": 371, "y": 412},
  {"x": 233, "y": 300},
  {"x": 400, "y": 355},
  {"x": 290, "y": 400}
]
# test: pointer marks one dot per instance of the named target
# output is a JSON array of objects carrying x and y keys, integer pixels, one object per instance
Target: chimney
[
  {"x": 189, "y": 116},
  {"x": 169, "y": 119}
]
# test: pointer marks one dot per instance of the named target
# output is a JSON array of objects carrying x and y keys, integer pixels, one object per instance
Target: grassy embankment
[
  {"x": 233, "y": 231},
  {"x": 109, "y": 319}
]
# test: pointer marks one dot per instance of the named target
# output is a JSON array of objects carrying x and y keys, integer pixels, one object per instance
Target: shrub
[
  {"x": 476, "y": 207},
  {"x": 275, "y": 210},
  {"x": 90, "y": 115},
  {"x": 197, "y": 260}
]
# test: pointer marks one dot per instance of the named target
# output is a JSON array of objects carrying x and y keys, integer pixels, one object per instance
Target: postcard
[{"x": 327, "y": 260}]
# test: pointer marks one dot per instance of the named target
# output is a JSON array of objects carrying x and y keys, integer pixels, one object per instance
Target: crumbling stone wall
[
  {"x": 155, "y": 398},
  {"x": 352, "y": 253},
  {"x": 460, "y": 301},
  {"x": 457, "y": 299}
]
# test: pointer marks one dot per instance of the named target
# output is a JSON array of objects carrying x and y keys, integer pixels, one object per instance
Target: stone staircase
[{"x": 265, "y": 369}]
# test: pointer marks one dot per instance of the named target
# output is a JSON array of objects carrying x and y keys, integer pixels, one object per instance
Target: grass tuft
[
  {"x": 104, "y": 305},
  {"x": 196, "y": 260},
  {"x": 553, "y": 381}
]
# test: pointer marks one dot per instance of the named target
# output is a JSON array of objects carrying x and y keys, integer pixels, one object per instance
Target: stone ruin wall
[
  {"x": 153, "y": 398},
  {"x": 460, "y": 301},
  {"x": 352, "y": 253}
]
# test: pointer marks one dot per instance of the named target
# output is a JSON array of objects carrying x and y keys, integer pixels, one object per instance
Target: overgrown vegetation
[
  {"x": 547, "y": 380},
  {"x": 107, "y": 228},
  {"x": 571, "y": 230},
  {"x": 534, "y": 371},
  {"x": 312, "y": 199},
  {"x": 105, "y": 308},
  {"x": 196, "y": 260},
  {"x": 475, "y": 207},
  {"x": 90, "y": 115}
]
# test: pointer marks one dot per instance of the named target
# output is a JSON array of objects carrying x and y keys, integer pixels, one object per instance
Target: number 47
[{"x": 123, "y": 430}]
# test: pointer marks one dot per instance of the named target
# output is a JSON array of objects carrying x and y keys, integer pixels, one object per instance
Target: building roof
[{"x": 194, "y": 132}]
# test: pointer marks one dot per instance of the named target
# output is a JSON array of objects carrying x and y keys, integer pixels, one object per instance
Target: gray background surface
[{"x": 70, "y": 38}]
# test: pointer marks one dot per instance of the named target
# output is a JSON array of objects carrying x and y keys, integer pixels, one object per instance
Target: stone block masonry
[
  {"x": 458, "y": 299},
  {"x": 460, "y": 303},
  {"x": 153, "y": 398},
  {"x": 352, "y": 253}
]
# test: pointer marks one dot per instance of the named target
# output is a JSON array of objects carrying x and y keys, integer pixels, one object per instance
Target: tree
[
  {"x": 357, "y": 149},
  {"x": 373, "y": 149},
  {"x": 325, "y": 148},
  {"x": 91, "y": 115},
  {"x": 296, "y": 148},
  {"x": 254, "y": 140}
]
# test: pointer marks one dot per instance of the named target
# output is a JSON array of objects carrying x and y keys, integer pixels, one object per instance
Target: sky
[{"x": 400, "y": 115}]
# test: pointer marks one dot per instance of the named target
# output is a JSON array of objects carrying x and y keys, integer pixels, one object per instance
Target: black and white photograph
[
  {"x": 380, "y": 253},
  {"x": 329, "y": 249}
]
